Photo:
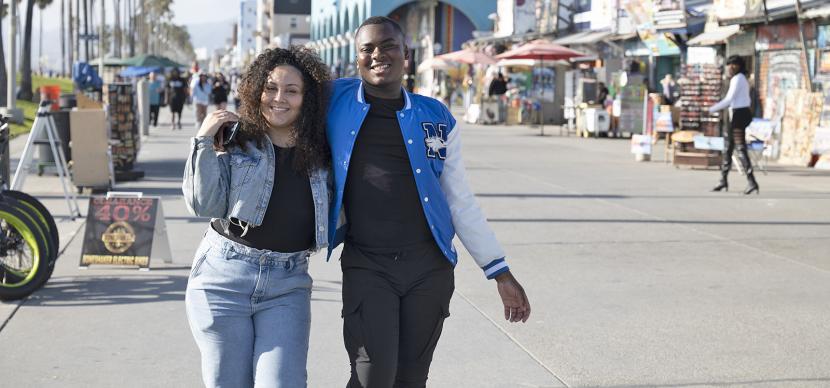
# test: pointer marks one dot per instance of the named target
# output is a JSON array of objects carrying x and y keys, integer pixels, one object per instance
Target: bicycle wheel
[
  {"x": 43, "y": 214},
  {"x": 50, "y": 253},
  {"x": 22, "y": 268}
]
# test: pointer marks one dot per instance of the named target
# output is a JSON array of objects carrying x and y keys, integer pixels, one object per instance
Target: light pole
[{"x": 11, "y": 110}]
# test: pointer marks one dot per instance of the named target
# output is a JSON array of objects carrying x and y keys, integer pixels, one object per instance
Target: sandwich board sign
[{"x": 125, "y": 228}]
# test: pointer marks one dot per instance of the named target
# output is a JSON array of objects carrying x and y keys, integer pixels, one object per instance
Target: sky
[{"x": 210, "y": 22}]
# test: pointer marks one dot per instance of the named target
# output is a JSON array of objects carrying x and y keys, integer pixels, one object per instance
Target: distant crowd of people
[{"x": 194, "y": 87}]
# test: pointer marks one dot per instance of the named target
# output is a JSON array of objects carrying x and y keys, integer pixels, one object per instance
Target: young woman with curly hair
[{"x": 266, "y": 190}]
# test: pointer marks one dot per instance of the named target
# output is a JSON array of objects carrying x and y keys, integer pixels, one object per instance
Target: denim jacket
[{"x": 235, "y": 186}]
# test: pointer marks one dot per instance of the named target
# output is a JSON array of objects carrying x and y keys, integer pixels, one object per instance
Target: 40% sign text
[{"x": 123, "y": 209}]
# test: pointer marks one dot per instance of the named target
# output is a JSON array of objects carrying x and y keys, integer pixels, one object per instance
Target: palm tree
[
  {"x": 25, "y": 92},
  {"x": 117, "y": 30},
  {"x": 41, "y": 5}
]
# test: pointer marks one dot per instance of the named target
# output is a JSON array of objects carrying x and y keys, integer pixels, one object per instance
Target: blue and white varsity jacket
[{"x": 434, "y": 149}]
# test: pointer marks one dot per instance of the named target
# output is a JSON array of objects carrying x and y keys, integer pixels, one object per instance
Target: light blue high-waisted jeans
[{"x": 250, "y": 313}]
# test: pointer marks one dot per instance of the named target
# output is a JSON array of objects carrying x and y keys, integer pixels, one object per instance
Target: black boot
[
  {"x": 752, "y": 184},
  {"x": 724, "y": 184}
]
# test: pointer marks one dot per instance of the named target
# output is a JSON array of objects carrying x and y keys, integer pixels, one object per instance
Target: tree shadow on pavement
[
  {"x": 109, "y": 290},
  {"x": 67, "y": 291}
]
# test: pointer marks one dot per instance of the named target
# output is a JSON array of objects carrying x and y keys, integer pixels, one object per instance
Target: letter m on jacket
[{"x": 435, "y": 140}]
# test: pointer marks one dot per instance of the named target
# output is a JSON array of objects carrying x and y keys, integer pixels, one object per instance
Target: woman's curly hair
[{"x": 310, "y": 128}]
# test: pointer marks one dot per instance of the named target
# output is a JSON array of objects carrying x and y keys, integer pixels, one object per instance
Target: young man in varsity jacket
[{"x": 400, "y": 196}]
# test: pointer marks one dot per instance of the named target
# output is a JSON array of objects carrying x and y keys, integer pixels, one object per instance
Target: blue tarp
[
  {"x": 139, "y": 71},
  {"x": 85, "y": 76}
]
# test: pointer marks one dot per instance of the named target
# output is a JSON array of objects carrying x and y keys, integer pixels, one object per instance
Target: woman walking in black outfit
[{"x": 738, "y": 100}]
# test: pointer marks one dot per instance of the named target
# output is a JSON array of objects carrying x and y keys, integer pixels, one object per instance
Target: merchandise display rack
[
  {"x": 700, "y": 88},
  {"x": 120, "y": 99}
]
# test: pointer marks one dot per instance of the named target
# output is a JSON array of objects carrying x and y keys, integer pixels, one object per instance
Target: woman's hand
[{"x": 216, "y": 120}]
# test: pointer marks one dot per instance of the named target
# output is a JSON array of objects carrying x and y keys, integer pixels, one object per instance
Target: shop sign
[
  {"x": 709, "y": 143},
  {"x": 782, "y": 36},
  {"x": 701, "y": 55},
  {"x": 641, "y": 144},
  {"x": 663, "y": 122},
  {"x": 736, "y": 9},
  {"x": 639, "y": 11},
  {"x": 669, "y": 14},
  {"x": 632, "y": 96},
  {"x": 123, "y": 231},
  {"x": 658, "y": 44},
  {"x": 821, "y": 141},
  {"x": 600, "y": 17}
]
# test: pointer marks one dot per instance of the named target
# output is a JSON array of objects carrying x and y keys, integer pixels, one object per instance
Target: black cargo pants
[{"x": 394, "y": 306}]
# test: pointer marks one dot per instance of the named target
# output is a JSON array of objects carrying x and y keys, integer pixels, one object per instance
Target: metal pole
[
  {"x": 101, "y": 52},
  {"x": 12, "y": 78},
  {"x": 803, "y": 43}
]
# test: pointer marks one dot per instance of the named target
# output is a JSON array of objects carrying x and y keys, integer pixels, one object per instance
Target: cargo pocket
[
  {"x": 353, "y": 337},
  {"x": 429, "y": 347}
]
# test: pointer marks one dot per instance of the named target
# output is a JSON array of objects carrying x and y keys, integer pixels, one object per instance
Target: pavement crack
[{"x": 513, "y": 339}]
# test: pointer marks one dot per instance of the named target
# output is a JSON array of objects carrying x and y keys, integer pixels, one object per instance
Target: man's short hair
[{"x": 381, "y": 20}]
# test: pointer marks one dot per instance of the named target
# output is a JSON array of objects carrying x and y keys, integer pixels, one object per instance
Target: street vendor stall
[{"x": 540, "y": 50}]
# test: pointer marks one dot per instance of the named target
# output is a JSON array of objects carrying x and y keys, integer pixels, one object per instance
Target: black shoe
[
  {"x": 722, "y": 186},
  {"x": 751, "y": 188}
]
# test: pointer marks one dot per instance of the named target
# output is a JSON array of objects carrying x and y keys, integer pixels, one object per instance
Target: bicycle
[{"x": 29, "y": 239}]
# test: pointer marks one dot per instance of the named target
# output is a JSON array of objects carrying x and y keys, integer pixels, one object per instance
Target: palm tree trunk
[
  {"x": 145, "y": 36},
  {"x": 117, "y": 30},
  {"x": 86, "y": 31},
  {"x": 25, "y": 92},
  {"x": 131, "y": 13},
  {"x": 77, "y": 30},
  {"x": 3, "y": 79}
]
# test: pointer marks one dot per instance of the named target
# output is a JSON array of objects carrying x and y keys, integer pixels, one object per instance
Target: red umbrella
[
  {"x": 541, "y": 50},
  {"x": 468, "y": 56}
]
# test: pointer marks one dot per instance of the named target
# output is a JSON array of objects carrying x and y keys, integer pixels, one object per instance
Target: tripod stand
[{"x": 45, "y": 122}]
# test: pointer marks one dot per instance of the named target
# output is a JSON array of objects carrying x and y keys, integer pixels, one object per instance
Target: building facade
[
  {"x": 431, "y": 26},
  {"x": 290, "y": 22},
  {"x": 245, "y": 36}
]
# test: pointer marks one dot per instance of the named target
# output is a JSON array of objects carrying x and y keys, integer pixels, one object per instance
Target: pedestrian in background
[
  {"x": 200, "y": 91},
  {"x": 669, "y": 89},
  {"x": 177, "y": 94},
  {"x": 248, "y": 296},
  {"x": 155, "y": 91},
  {"x": 235, "y": 91},
  {"x": 738, "y": 101},
  {"x": 220, "y": 90},
  {"x": 404, "y": 196},
  {"x": 498, "y": 86}
]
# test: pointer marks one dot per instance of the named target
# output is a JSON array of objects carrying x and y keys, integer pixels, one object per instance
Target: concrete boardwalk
[{"x": 638, "y": 277}]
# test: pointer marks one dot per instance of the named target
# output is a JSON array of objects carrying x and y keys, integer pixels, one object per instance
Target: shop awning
[
  {"x": 713, "y": 36},
  {"x": 822, "y": 12},
  {"x": 585, "y": 37}
]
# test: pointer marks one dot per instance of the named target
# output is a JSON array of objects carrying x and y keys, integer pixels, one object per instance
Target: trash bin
[
  {"x": 51, "y": 93},
  {"x": 68, "y": 101}
]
